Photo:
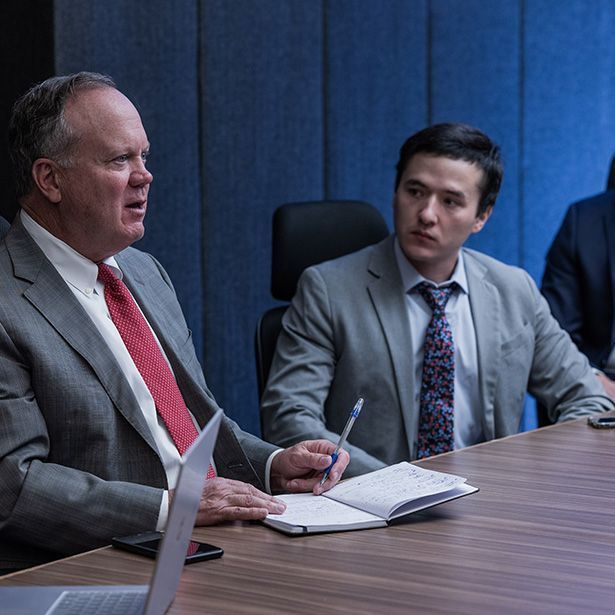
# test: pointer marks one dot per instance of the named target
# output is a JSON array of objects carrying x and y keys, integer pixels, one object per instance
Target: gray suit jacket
[
  {"x": 346, "y": 334},
  {"x": 78, "y": 464}
]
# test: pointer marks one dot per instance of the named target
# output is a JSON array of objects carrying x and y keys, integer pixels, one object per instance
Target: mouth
[
  {"x": 139, "y": 206},
  {"x": 423, "y": 235}
]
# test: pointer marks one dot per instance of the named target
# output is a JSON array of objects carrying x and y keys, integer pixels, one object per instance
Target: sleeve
[
  {"x": 561, "y": 279},
  {"x": 302, "y": 372},
  {"x": 49, "y": 506},
  {"x": 561, "y": 377}
]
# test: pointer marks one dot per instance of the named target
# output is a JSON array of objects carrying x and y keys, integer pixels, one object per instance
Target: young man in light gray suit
[
  {"x": 357, "y": 324},
  {"x": 84, "y": 455}
]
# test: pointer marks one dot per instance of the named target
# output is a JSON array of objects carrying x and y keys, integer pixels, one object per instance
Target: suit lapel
[
  {"x": 170, "y": 328},
  {"x": 50, "y": 295},
  {"x": 385, "y": 290},
  {"x": 486, "y": 315},
  {"x": 147, "y": 290}
]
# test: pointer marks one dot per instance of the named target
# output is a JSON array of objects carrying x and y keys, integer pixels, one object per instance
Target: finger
[
  {"x": 232, "y": 513},
  {"x": 301, "y": 485},
  {"x": 224, "y": 487},
  {"x": 272, "y": 505},
  {"x": 325, "y": 447},
  {"x": 312, "y": 461}
]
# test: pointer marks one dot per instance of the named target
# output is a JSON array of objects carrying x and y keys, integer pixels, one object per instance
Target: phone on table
[
  {"x": 147, "y": 543},
  {"x": 601, "y": 422}
]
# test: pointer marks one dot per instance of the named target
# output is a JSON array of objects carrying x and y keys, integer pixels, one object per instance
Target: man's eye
[
  {"x": 144, "y": 156},
  {"x": 122, "y": 158}
]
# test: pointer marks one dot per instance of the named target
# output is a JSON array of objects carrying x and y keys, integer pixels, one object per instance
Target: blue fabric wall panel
[
  {"x": 569, "y": 112},
  {"x": 375, "y": 93},
  {"x": 262, "y": 143},
  {"x": 475, "y": 78},
  {"x": 150, "y": 49}
]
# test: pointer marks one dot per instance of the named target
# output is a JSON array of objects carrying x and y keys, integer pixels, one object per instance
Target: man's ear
[
  {"x": 481, "y": 219},
  {"x": 45, "y": 176}
]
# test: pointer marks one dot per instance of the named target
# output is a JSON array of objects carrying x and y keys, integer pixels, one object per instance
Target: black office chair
[
  {"x": 306, "y": 234},
  {"x": 610, "y": 182}
]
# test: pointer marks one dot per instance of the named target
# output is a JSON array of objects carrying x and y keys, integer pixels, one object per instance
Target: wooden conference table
[{"x": 539, "y": 537}]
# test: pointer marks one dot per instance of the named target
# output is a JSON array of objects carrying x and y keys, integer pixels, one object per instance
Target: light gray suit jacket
[
  {"x": 78, "y": 464},
  {"x": 346, "y": 334}
]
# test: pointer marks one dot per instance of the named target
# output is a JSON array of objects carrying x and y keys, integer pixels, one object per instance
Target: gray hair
[{"x": 38, "y": 128}]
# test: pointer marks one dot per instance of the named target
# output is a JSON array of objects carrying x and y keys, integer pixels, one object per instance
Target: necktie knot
[
  {"x": 106, "y": 275},
  {"x": 436, "y": 298}
]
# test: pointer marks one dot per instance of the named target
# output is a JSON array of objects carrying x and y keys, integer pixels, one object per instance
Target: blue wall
[{"x": 252, "y": 103}]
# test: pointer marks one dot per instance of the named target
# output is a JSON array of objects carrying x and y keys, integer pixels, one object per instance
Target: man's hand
[
  {"x": 224, "y": 499},
  {"x": 608, "y": 384},
  {"x": 300, "y": 467}
]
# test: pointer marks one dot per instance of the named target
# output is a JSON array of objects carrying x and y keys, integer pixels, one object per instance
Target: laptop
[{"x": 152, "y": 599}]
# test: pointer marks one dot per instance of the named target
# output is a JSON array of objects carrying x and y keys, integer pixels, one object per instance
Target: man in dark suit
[
  {"x": 100, "y": 388},
  {"x": 579, "y": 279}
]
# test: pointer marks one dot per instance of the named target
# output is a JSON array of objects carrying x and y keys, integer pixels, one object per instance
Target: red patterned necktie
[
  {"x": 437, "y": 401},
  {"x": 149, "y": 360}
]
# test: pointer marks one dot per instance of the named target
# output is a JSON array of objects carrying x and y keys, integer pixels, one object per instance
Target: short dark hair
[
  {"x": 37, "y": 127},
  {"x": 459, "y": 142}
]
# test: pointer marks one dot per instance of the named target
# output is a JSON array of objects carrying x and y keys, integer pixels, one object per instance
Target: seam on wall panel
[
  {"x": 325, "y": 101},
  {"x": 429, "y": 64},
  {"x": 200, "y": 94},
  {"x": 521, "y": 148}
]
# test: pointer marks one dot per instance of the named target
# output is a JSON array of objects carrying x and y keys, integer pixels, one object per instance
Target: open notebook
[
  {"x": 370, "y": 500},
  {"x": 150, "y": 599}
]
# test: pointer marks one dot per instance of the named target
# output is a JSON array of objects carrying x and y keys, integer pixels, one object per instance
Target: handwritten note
[{"x": 383, "y": 491}]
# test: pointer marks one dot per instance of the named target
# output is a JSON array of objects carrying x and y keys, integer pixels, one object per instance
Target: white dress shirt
[
  {"x": 81, "y": 276},
  {"x": 467, "y": 416}
]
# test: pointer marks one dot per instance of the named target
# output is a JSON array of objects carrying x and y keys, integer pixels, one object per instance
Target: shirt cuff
[
  {"x": 268, "y": 470},
  {"x": 164, "y": 512}
]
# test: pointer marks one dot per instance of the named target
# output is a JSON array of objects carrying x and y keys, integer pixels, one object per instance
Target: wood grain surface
[{"x": 539, "y": 537}]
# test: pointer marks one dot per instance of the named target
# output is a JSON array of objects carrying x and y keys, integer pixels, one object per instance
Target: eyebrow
[{"x": 420, "y": 184}]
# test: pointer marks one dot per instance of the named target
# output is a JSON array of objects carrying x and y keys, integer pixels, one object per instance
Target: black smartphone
[
  {"x": 602, "y": 422},
  {"x": 148, "y": 543}
]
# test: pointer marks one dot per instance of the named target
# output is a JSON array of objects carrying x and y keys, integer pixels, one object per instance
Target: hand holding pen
[{"x": 351, "y": 419}]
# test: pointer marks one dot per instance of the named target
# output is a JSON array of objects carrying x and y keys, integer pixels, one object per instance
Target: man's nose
[
  {"x": 140, "y": 176},
  {"x": 428, "y": 212}
]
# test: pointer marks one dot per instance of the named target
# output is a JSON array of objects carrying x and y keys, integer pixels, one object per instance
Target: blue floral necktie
[{"x": 438, "y": 383}]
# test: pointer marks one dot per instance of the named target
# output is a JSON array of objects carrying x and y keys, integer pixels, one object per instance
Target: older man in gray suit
[
  {"x": 434, "y": 376},
  {"x": 91, "y": 433}
]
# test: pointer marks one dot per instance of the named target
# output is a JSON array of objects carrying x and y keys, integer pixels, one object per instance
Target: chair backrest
[
  {"x": 610, "y": 182},
  {"x": 305, "y": 234}
]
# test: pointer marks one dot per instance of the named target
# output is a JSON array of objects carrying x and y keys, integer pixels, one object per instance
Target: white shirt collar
[
  {"x": 75, "y": 269},
  {"x": 410, "y": 277}
]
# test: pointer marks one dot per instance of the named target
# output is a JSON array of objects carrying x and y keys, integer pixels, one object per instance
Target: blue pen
[{"x": 351, "y": 419}]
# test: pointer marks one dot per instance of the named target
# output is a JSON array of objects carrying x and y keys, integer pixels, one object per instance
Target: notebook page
[
  {"x": 310, "y": 510},
  {"x": 382, "y": 491}
]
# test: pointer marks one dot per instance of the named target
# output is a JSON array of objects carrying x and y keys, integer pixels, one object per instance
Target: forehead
[
  {"x": 441, "y": 172},
  {"x": 104, "y": 116}
]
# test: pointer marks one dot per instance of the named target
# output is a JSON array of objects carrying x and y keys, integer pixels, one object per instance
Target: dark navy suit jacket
[{"x": 579, "y": 277}]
